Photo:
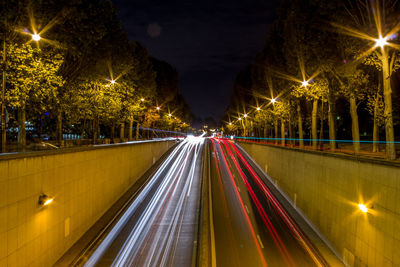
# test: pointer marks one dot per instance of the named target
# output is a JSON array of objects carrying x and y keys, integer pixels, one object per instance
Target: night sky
[{"x": 208, "y": 42}]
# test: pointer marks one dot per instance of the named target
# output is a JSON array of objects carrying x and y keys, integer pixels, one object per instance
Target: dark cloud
[{"x": 207, "y": 41}]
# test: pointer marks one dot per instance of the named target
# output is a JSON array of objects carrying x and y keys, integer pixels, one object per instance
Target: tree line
[
  {"x": 68, "y": 67},
  {"x": 323, "y": 62}
]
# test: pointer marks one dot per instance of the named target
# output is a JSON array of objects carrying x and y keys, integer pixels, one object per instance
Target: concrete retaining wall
[
  {"x": 328, "y": 189},
  {"x": 84, "y": 182}
]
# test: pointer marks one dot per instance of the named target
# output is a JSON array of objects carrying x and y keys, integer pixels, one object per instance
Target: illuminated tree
[{"x": 33, "y": 78}]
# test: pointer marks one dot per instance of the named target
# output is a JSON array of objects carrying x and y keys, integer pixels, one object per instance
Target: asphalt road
[
  {"x": 159, "y": 227},
  {"x": 251, "y": 226}
]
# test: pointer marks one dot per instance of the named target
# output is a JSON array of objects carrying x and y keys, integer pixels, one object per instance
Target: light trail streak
[
  {"x": 263, "y": 261},
  {"x": 277, "y": 240},
  {"x": 280, "y": 210},
  {"x": 121, "y": 223},
  {"x": 174, "y": 188},
  {"x": 224, "y": 200}
]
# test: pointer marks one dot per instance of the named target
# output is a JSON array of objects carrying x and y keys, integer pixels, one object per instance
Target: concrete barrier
[
  {"x": 84, "y": 182},
  {"x": 328, "y": 188}
]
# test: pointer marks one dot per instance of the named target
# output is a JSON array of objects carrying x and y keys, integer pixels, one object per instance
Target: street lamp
[
  {"x": 363, "y": 208},
  {"x": 169, "y": 115},
  {"x": 245, "y": 115},
  {"x": 273, "y": 100},
  {"x": 240, "y": 118},
  {"x": 258, "y": 108},
  {"x": 158, "y": 108},
  {"x": 112, "y": 81},
  {"x": 36, "y": 37},
  {"x": 230, "y": 123},
  {"x": 381, "y": 42},
  {"x": 304, "y": 83},
  {"x": 142, "y": 99}
]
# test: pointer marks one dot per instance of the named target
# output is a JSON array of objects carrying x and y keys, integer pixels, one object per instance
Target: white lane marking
[
  {"x": 247, "y": 209},
  {"x": 259, "y": 241}
]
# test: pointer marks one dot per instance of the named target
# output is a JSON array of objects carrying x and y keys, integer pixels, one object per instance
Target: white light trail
[{"x": 177, "y": 174}]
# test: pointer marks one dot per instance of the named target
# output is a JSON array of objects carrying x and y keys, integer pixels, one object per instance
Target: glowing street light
[
  {"x": 304, "y": 83},
  {"x": 363, "y": 208},
  {"x": 158, "y": 108},
  {"x": 230, "y": 123},
  {"x": 240, "y": 118},
  {"x": 245, "y": 115},
  {"x": 142, "y": 99},
  {"x": 112, "y": 81},
  {"x": 169, "y": 114},
  {"x": 258, "y": 108},
  {"x": 36, "y": 37},
  {"x": 381, "y": 42},
  {"x": 273, "y": 100}
]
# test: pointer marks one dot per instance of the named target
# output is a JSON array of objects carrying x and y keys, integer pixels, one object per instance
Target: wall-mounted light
[{"x": 45, "y": 200}]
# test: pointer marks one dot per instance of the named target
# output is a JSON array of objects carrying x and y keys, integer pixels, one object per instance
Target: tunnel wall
[
  {"x": 84, "y": 182},
  {"x": 328, "y": 188}
]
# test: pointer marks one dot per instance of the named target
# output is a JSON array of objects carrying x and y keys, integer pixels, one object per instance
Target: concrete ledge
[
  {"x": 28, "y": 154},
  {"x": 353, "y": 157},
  {"x": 84, "y": 181}
]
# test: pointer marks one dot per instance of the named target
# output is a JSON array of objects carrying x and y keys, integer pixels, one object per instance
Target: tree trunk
[
  {"x": 321, "y": 126},
  {"x": 290, "y": 130},
  {"x": 137, "y": 130},
  {"x": 113, "y": 132},
  {"x": 94, "y": 131},
  {"x": 3, "y": 104},
  {"x": 282, "y": 132},
  {"x": 98, "y": 127},
  {"x": 354, "y": 125},
  {"x": 21, "y": 129},
  {"x": 300, "y": 126},
  {"x": 121, "y": 131},
  {"x": 83, "y": 129},
  {"x": 265, "y": 135},
  {"x": 332, "y": 123},
  {"x": 314, "y": 118},
  {"x": 276, "y": 131},
  {"x": 130, "y": 130},
  {"x": 375, "y": 134},
  {"x": 387, "y": 96},
  {"x": 59, "y": 130}
]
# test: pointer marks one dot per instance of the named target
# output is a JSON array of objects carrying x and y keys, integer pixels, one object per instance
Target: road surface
[
  {"x": 159, "y": 227},
  {"x": 251, "y": 226}
]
